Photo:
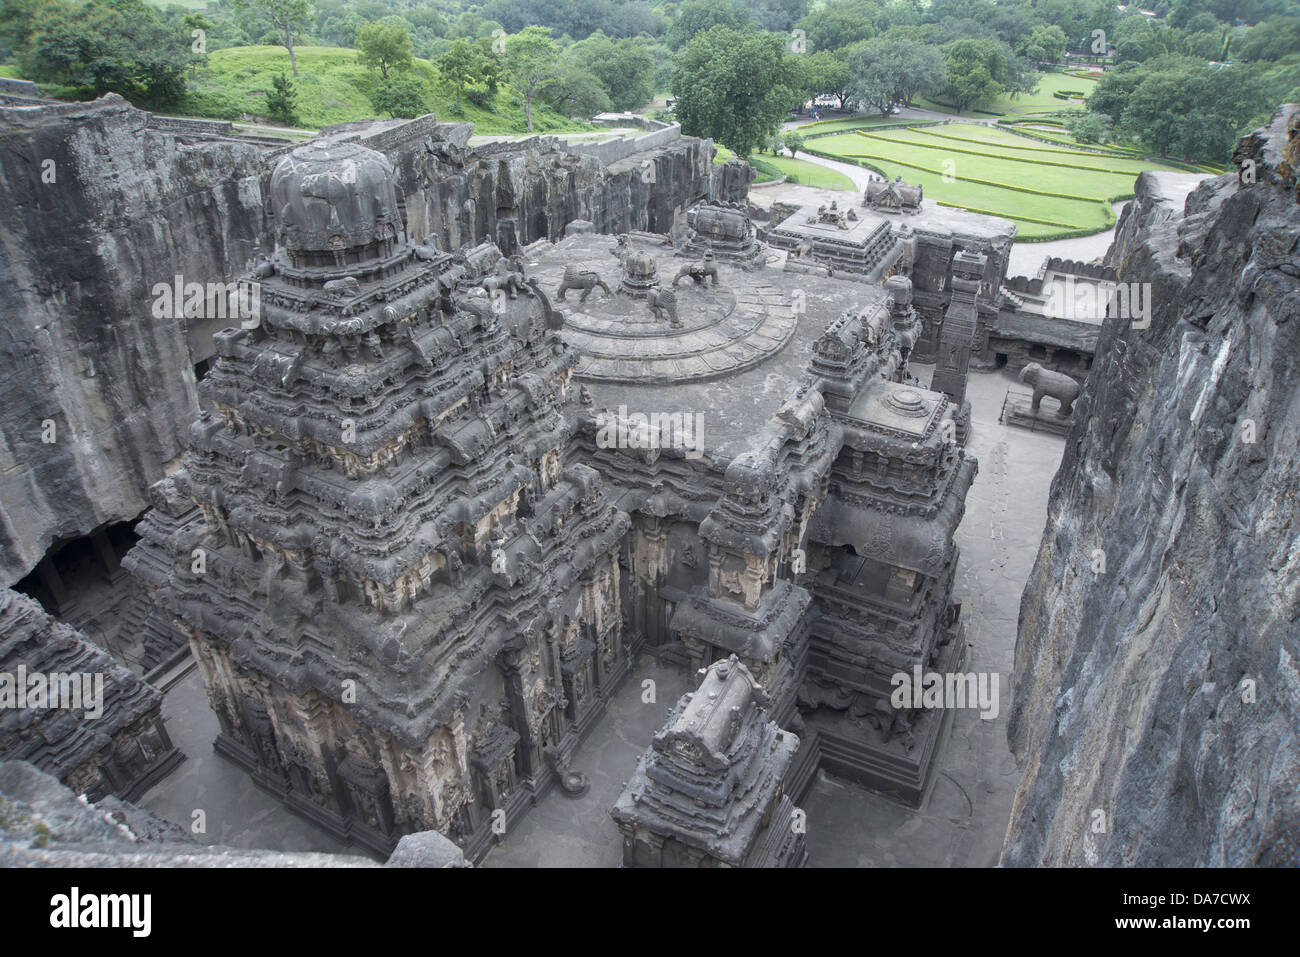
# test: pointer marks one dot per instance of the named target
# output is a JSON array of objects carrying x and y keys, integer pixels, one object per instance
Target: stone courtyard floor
[{"x": 961, "y": 822}]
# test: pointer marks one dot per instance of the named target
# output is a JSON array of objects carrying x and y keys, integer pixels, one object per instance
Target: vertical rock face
[
  {"x": 1157, "y": 698},
  {"x": 97, "y": 208}
]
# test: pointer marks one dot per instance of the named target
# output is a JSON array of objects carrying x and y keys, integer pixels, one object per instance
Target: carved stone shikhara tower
[
  {"x": 708, "y": 792},
  {"x": 403, "y": 600}
]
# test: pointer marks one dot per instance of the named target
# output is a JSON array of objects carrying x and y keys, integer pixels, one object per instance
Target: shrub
[
  {"x": 481, "y": 97},
  {"x": 282, "y": 101}
]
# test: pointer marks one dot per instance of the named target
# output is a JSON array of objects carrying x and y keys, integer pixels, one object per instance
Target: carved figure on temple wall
[
  {"x": 343, "y": 288},
  {"x": 832, "y": 216},
  {"x": 895, "y": 196}
]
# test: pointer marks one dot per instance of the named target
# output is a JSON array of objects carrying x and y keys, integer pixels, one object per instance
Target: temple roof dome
[{"x": 334, "y": 197}]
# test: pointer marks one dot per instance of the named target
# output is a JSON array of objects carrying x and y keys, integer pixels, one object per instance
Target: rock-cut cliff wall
[
  {"x": 1156, "y": 700},
  {"x": 94, "y": 209}
]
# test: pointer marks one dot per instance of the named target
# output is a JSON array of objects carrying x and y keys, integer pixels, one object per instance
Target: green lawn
[
  {"x": 798, "y": 171},
  {"x": 331, "y": 87},
  {"x": 871, "y": 120},
  {"x": 1025, "y": 104},
  {"x": 992, "y": 170}
]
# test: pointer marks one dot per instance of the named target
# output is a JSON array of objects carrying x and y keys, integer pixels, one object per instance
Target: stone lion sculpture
[
  {"x": 1056, "y": 384},
  {"x": 584, "y": 279},
  {"x": 699, "y": 272}
]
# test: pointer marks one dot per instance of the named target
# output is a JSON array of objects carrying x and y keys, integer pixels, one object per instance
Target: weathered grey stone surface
[
  {"x": 115, "y": 743},
  {"x": 426, "y": 849},
  {"x": 128, "y": 207},
  {"x": 1160, "y": 688},
  {"x": 707, "y": 792}
]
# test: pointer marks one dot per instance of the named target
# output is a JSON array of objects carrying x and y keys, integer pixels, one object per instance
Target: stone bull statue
[
  {"x": 584, "y": 279},
  {"x": 1056, "y": 384}
]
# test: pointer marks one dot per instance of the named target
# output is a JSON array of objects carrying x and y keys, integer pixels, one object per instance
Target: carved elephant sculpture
[
  {"x": 586, "y": 280},
  {"x": 663, "y": 303},
  {"x": 507, "y": 277},
  {"x": 1056, "y": 384},
  {"x": 343, "y": 288}
]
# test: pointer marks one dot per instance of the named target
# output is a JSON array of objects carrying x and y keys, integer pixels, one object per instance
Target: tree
[
  {"x": 532, "y": 60},
  {"x": 839, "y": 24},
  {"x": 385, "y": 45},
  {"x": 575, "y": 91},
  {"x": 794, "y": 143},
  {"x": 467, "y": 62},
  {"x": 696, "y": 16},
  {"x": 401, "y": 95},
  {"x": 126, "y": 48},
  {"x": 1088, "y": 128},
  {"x": 1184, "y": 11},
  {"x": 778, "y": 15},
  {"x": 826, "y": 71},
  {"x": 1271, "y": 40},
  {"x": 1111, "y": 94},
  {"x": 734, "y": 87},
  {"x": 342, "y": 31},
  {"x": 282, "y": 101},
  {"x": 1044, "y": 44},
  {"x": 1137, "y": 39},
  {"x": 625, "y": 68},
  {"x": 1186, "y": 108},
  {"x": 977, "y": 69},
  {"x": 886, "y": 73},
  {"x": 288, "y": 17}
]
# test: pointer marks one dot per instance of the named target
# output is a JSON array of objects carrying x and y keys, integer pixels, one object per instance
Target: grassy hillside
[
  {"x": 332, "y": 87},
  {"x": 1041, "y": 100}
]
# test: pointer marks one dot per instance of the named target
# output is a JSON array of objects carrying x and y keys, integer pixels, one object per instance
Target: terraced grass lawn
[
  {"x": 1051, "y": 191},
  {"x": 1025, "y": 104},
  {"x": 806, "y": 173},
  {"x": 331, "y": 87},
  {"x": 798, "y": 171},
  {"x": 872, "y": 120}
]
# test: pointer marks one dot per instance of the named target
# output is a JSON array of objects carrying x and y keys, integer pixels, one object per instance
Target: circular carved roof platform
[{"x": 722, "y": 330}]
